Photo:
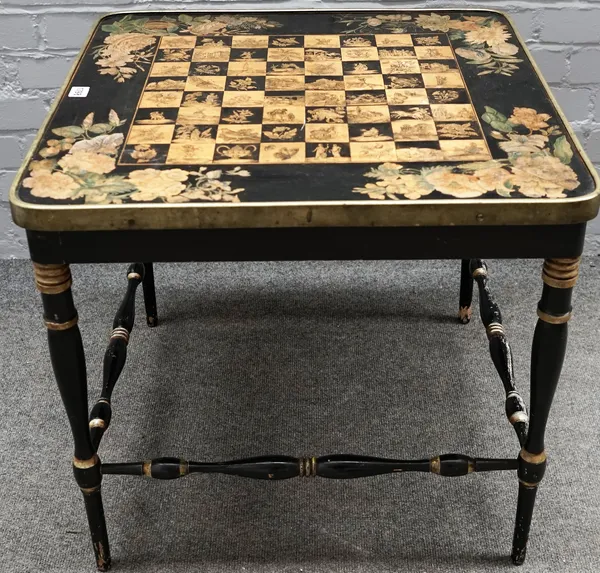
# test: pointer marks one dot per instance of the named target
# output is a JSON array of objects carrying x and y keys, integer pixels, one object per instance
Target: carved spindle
[
  {"x": 547, "y": 355},
  {"x": 466, "y": 292},
  {"x": 333, "y": 467},
  {"x": 115, "y": 355},
  {"x": 500, "y": 351}
]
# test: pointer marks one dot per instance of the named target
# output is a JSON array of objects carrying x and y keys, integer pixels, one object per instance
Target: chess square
[
  {"x": 293, "y": 152},
  {"x": 370, "y": 152},
  {"x": 447, "y": 95},
  {"x": 167, "y": 42},
  {"x": 281, "y": 133},
  {"x": 199, "y": 115},
  {"x": 458, "y": 130},
  {"x": 396, "y": 53},
  {"x": 250, "y": 42},
  {"x": 150, "y": 116},
  {"x": 322, "y": 54},
  {"x": 241, "y": 98},
  {"x": 337, "y": 152},
  {"x": 284, "y": 83},
  {"x": 443, "y": 80},
  {"x": 213, "y": 42},
  {"x": 414, "y": 130},
  {"x": 151, "y": 134},
  {"x": 247, "y": 68},
  {"x": 434, "y": 52},
  {"x": 371, "y": 132},
  {"x": 241, "y": 115},
  {"x": 237, "y": 153},
  {"x": 393, "y": 40},
  {"x": 285, "y": 69},
  {"x": 190, "y": 153},
  {"x": 430, "y": 40},
  {"x": 325, "y": 98},
  {"x": 366, "y": 97},
  {"x": 160, "y": 99},
  {"x": 361, "y": 68},
  {"x": 169, "y": 69},
  {"x": 403, "y": 81},
  {"x": 209, "y": 69},
  {"x": 166, "y": 84},
  {"x": 410, "y": 112},
  {"x": 437, "y": 66},
  {"x": 211, "y": 54},
  {"x": 465, "y": 150},
  {"x": 205, "y": 83},
  {"x": 144, "y": 154},
  {"x": 368, "y": 114},
  {"x": 285, "y": 55},
  {"x": 321, "y": 41},
  {"x": 189, "y": 133},
  {"x": 283, "y": 115},
  {"x": 245, "y": 83},
  {"x": 359, "y": 54},
  {"x": 286, "y": 41},
  {"x": 243, "y": 55},
  {"x": 453, "y": 112},
  {"x": 419, "y": 151},
  {"x": 239, "y": 133},
  {"x": 174, "y": 55},
  {"x": 402, "y": 66},
  {"x": 358, "y": 41},
  {"x": 212, "y": 99},
  {"x": 326, "y": 114},
  {"x": 366, "y": 82},
  {"x": 326, "y": 132},
  {"x": 327, "y": 83},
  {"x": 415, "y": 96},
  {"x": 286, "y": 98},
  {"x": 324, "y": 68}
]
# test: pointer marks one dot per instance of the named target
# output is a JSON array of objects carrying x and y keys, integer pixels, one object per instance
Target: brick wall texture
[{"x": 40, "y": 38}]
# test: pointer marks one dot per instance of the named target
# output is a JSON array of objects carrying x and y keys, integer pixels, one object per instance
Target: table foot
[
  {"x": 68, "y": 363},
  {"x": 547, "y": 356},
  {"x": 466, "y": 292}
]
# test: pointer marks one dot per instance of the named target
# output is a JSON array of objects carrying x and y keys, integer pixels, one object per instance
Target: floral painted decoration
[
  {"x": 79, "y": 162},
  {"x": 373, "y": 23},
  {"x": 537, "y": 165}
]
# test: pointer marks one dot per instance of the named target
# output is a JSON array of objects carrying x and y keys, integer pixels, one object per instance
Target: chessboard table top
[{"x": 288, "y": 119}]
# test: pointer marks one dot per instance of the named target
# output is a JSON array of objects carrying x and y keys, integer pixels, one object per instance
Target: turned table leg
[
  {"x": 68, "y": 363},
  {"x": 150, "y": 295},
  {"x": 466, "y": 292},
  {"x": 548, "y": 352}
]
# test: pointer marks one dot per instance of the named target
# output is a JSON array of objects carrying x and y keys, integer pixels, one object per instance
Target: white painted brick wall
[{"x": 40, "y": 38}]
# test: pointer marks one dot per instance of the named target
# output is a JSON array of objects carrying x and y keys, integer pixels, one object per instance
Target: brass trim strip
[
  {"x": 495, "y": 329},
  {"x": 528, "y": 484},
  {"x": 90, "y": 490},
  {"x": 551, "y": 319},
  {"x": 147, "y": 468},
  {"x": 533, "y": 458},
  {"x": 86, "y": 464},
  {"x": 135, "y": 276},
  {"x": 184, "y": 468},
  {"x": 480, "y": 272},
  {"x": 435, "y": 465},
  {"x": 61, "y": 325},
  {"x": 97, "y": 423},
  {"x": 561, "y": 273},
  {"x": 120, "y": 332},
  {"x": 52, "y": 279}
]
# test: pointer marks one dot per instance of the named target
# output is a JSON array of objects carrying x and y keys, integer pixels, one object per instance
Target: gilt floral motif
[{"x": 537, "y": 165}]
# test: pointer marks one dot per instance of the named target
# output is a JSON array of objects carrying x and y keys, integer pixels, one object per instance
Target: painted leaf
[
  {"x": 88, "y": 121},
  {"x": 100, "y": 128},
  {"x": 562, "y": 149},
  {"x": 69, "y": 131},
  {"x": 185, "y": 18},
  {"x": 113, "y": 118}
]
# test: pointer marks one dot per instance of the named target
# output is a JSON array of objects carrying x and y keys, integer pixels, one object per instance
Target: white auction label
[{"x": 79, "y": 91}]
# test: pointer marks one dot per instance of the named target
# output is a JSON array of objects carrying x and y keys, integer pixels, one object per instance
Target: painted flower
[
  {"x": 435, "y": 22},
  {"x": 410, "y": 186},
  {"x": 42, "y": 165},
  {"x": 459, "y": 185},
  {"x": 493, "y": 34},
  {"x": 53, "y": 185},
  {"x": 87, "y": 161},
  {"x": 494, "y": 178},
  {"x": 156, "y": 184},
  {"x": 530, "y": 118},
  {"x": 374, "y": 22},
  {"x": 523, "y": 143},
  {"x": 543, "y": 176},
  {"x": 107, "y": 144},
  {"x": 130, "y": 42},
  {"x": 505, "y": 49},
  {"x": 207, "y": 27}
]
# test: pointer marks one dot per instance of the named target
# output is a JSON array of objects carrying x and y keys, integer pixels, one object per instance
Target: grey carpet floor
[{"x": 299, "y": 359}]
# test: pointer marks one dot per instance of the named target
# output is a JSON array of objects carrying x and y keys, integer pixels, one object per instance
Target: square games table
[{"x": 188, "y": 136}]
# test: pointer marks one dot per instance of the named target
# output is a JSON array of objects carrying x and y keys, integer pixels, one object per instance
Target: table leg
[
  {"x": 466, "y": 292},
  {"x": 68, "y": 363},
  {"x": 150, "y": 295},
  {"x": 548, "y": 352}
]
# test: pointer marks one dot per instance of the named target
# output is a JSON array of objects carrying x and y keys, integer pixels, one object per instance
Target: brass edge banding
[
  {"x": 528, "y": 484},
  {"x": 52, "y": 279},
  {"x": 535, "y": 459},
  {"x": 184, "y": 468},
  {"x": 147, "y": 468},
  {"x": 97, "y": 423},
  {"x": 552, "y": 319},
  {"x": 86, "y": 464},
  {"x": 61, "y": 325},
  {"x": 90, "y": 490},
  {"x": 435, "y": 465},
  {"x": 561, "y": 273}
]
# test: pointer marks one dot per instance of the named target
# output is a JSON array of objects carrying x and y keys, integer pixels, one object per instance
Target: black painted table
[{"x": 305, "y": 135}]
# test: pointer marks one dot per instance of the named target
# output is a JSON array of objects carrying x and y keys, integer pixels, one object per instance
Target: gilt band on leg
[
  {"x": 115, "y": 355},
  {"x": 500, "y": 351}
]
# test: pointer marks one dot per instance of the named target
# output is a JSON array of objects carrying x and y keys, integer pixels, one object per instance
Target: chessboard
[{"x": 274, "y": 99}]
